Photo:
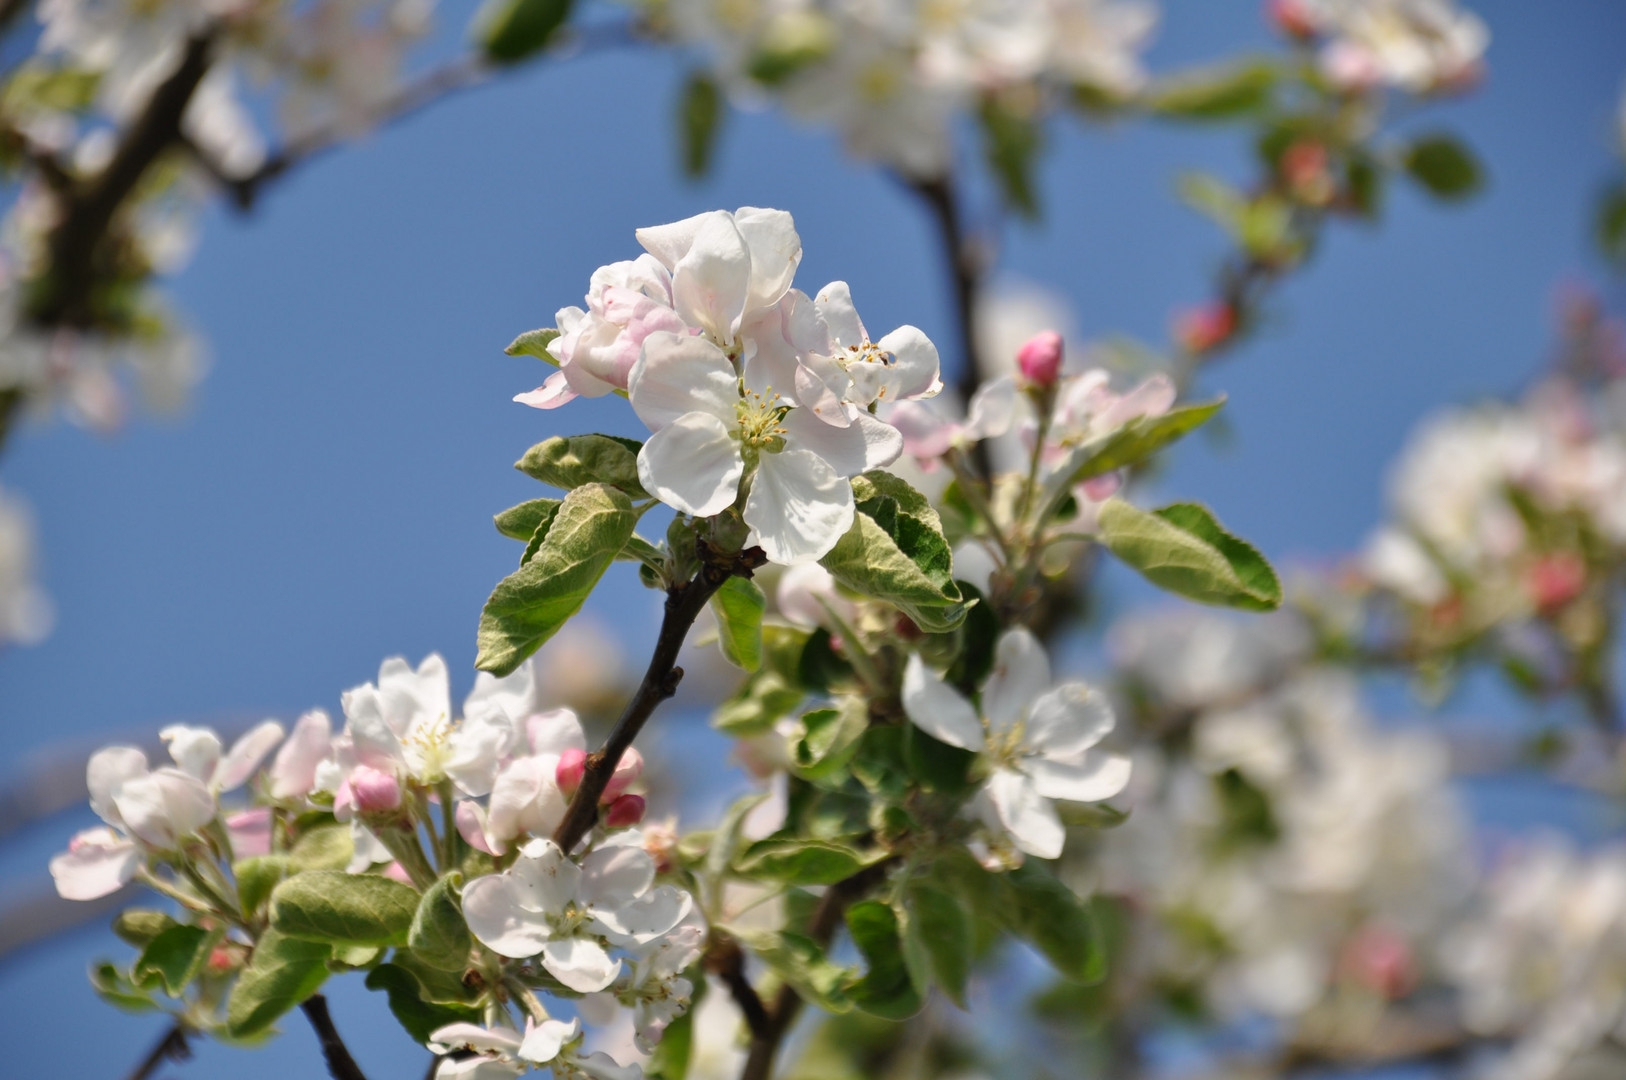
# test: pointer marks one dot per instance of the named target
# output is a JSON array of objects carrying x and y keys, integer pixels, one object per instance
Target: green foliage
[
  {"x": 1444, "y": 166},
  {"x": 937, "y": 930},
  {"x": 1183, "y": 549},
  {"x": 176, "y": 955},
  {"x": 326, "y": 847},
  {"x": 344, "y": 909},
  {"x": 283, "y": 972},
  {"x": 739, "y": 605},
  {"x": 830, "y": 738},
  {"x": 797, "y": 861},
  {"x": 509, "y": 31},
  {"x": 118, "y": 990},
  {"x": 534, "y": 343},
  {"x": 1609, "y": 229},
  {"x": 38, "y": 84},
  {"x": 438, "y": 935},
  {"x": 886, "y": 988},
  {"x": 1223, "y": 92},
  {"x": 1051, "y": 918},
  {"x": 569, "y": 461},
  {"x": 525, "y": 521},
  {"x": 257, "y": 876},
  {"x": 1012, "y": 139},
  {"x": 420, "y": 1017},
  {"x": 593, "y": 524},
  {"x": 798, "y": 960},
  {"x": 700, "y": 118},
  {"x": 895, "y": 551},
  {"x": 137, "y": 926},
  {"x": 792, "y": 41}
]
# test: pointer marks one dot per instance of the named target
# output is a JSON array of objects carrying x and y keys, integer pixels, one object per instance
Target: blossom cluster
[
  {"x": 25, "y": 610},
  {"x": 1418, "y": 46}
]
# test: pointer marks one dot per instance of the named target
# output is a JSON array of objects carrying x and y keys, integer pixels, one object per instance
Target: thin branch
[
  {"x": 683, "y": 605},
  {"x": 726, "y": 960},
  {"x": 171, "y": 1047},
  {"x": 340, "y": 1065}
]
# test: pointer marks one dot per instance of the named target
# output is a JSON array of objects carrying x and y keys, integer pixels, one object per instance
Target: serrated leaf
[
  {"x": 886, "y": 989},
  {"x": 420, "y": 1018},
  {"x": 439, "y": 936},
  {"x": 700, "y": 117},
  {"x": 175, "y": 955},
  {"x": 344, "y": 909},
  {"x": 529, "y": 606},
  {"x": 937, "y": 924},
  {"x": 829, "y": 738},
  {"x": 1048, "y": 915},
  {"x": 522, "y": 522},
  {"x": 257, "y": 876},
  {"x": 1444, "y": 166},
  {"x": 1215, "y": 93},
  {"x": 115, "y": 988},
  {"x": 764, "y": 699},
  {"x": 509, "y": 31},
  {"x": 569, "y": 461},
  {"x": 1182, "y": 548},
  {"x": 794, "y": 861},
  {"x": 1125, "y": 447},
  {"x": 739, "y": 605},
  {"x": 326, "y": 847},
  {"x": 283, "y": 972},
  {"x": 534, "y": 343},
  {"x": 137, "y": 926},
  {"x": 895, "y": 552}
]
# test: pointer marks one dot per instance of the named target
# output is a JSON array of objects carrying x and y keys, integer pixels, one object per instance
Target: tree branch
[
  {"x": 171, "y": 1047},
  {"x": 340, "y": 1065},
  {"x": 683, "y": 605},
  {"x": 726, "y": 960}
]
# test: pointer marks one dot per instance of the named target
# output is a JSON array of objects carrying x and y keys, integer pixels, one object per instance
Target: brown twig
[
  {"x": 726, "y": 960},
  {"x": 340, "y": 1065},
  {"x": 171, "y": 1047},
  {"x": 683, "y": 605}
]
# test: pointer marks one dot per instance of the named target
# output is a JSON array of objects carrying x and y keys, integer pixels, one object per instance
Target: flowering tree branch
[
  {"x": 172, "y": 1046},
  {"x": 340, "y": 1065}
]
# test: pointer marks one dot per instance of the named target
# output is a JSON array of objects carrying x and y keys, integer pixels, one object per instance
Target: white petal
[
  {"x": 164, "y": 805},
  {"x": 914, "y": 369},
  {"x": 615, "y": 875},
  {"x": 1067, "y": 721},
  {"x": 293, "y": 772},
  {"x": 492, "y": 908},
  {"x": 677, "y": 375},
  {"x": 98, "y": 862},
  {"x": 580, "y": 964},
  {"x": 1092, "y": 777},
  {"x": 245, "y": 756},
  {"x": 711, "y": 283},
  {"x": 835, "y": 306},
  {"x": 471, "y": 826},
  {"x": 644, "y": 919},
  {"x": 1029, "y": 817},
  {"x": 476, "y": 747},
  {"x": 692, "y": 464},
  {"x": 601, "y": 1066},
  {"x": 669, "y": 243},
  {"x": 482, "y": 1040},
  {"x": 776, "y": 251},
  {"x": 478, "y": 1068},
  {"x": 926, "y": 433},
  {"x": 554, "y": 732},
  {"x": 867, "y": 443},
  {"x": 366, "y": 849},
  {"x": 549, "y": 880},
  {"x": 411, "y": 698},
  {"x": 107, "y": 769},
  {"x": 993, "y": 408},
  {"x": 373, "y": 741},
  {"x": 196, "y": 750},
  {"x": 512, "y": 697},
  {"x": 822, "y": 387},
  {"x": 938, "y": 709},
  {"x": 525, "y": 799},
  {"x": 1021, "y": 673},
  {"x": 543, "y": 1041},
  {"x": 798, "y": 507},
  {"x": 554, "y": 392}
]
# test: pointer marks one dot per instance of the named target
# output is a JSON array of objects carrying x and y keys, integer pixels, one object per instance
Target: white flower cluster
[
  {"x": 593, "y": 919},
  {"x": 891, "y": 75},
  {"x": 1419, "y": 46},
  {"x": 757, "y": 394},
  {"x": 25, "y": 610},
  {"x": 1544, "y": 962}
]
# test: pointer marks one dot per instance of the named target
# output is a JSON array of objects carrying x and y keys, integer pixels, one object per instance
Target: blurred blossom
[{"x": 25, "y": 611}]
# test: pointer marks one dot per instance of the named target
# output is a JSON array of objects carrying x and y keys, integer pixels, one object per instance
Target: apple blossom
[
  {"x": 1039, "y": 741},
  {"x": 1040, "y": 358}
]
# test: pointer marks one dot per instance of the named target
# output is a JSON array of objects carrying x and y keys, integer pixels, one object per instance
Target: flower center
[
  {"x": 759, "y": 419},
  {"x": 1006, "y": 747},
  {"x": 429, "y": 746}
]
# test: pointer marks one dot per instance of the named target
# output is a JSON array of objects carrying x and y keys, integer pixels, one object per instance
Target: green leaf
[
  {"x": 137, "y": 926},
  {"x": 764, "y": 698},
  {"x": 534, "y": 343},
  {"x": 115, "y": 988},
  {"x": 1012, "y": 140},
  {"x": 569, "y": 461},
  {"x": 327, "y": 847},
  {"x": 420, "y": 1018},
  {"x": 1048, "y": 915},
  {"x": 175, "y": 955},
  {"x": 1091, "y": 815},
  {"x": 1215, "y": 93},
  {"x": 40, "y": 83},
  {"x": 937, "y": 925},
  {"x": 829, "y": 738},
  {"x": 351, "y": 957},
  {"x": 895, "y": 551},
  {"x": 886, "y": 989},
  {"x": 524, "y": 521},
  {"x": 257, "y": 876},
  {"x": 439, "y": 936},
  {"x": 1444, "y": 166},
  {"x": 283, "y": 972},
  {"x": 725, "y": 840},
  {"x": 935, "y": 764},
  {"x": 1129, "y": 445},
  {"x": 530, "y": 605},
  {"x": 974, "y": 657},
  {"x": 794, "y": 861},
  {"x": 1182, "y": 548},
  {"x": 434, "y": 985},
  {"x": 700, "y": 117},
  {"x": 799, "y": 961},
  {"x": 739, "y": 605},
  {"x": 509, "y": 31},
  {"x": 344, "y": 909},
  {"x": 1610, "y": 226}
]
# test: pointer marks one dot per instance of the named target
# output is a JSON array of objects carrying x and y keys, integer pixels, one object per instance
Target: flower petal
[
  {"x": 1021, "y": 674},
  {"x": 196, "y": 750},
  {"x": 245, "y": 755},
  {"x": 98, "y": 862},
  {"x": 693, "y": 465},
  {"x": 798, "y": 507},
  {"x": 867, "y": 443},
  {"x": 1091, "y": 777},
  {"x": 554, "y": 732},
  {"x": 938, "y": 709},
  {"x": 580, "y": 964},
  {"x": 1067, "y": 721},
  {"x": 677, "y": 375},
  {"x": 616, "y": 875},
  {"x": 992, "y": 409},
  {"x": 554, "y": 392},
  {"x": 543, "y": 1041},
  {"x": 107, "y": 769},
  {"x": 482, "y": 1040},
  {"x": 835, "y": 306},
  {"x": 711, "y": 284},
  {"x": 1026, "y": 815},
  {"x": 775, "y": 249},
  {"x": 492, "y": 908},
  {"x": 913, "y": 372},
  {"x": 669, "y": 243},
  {"x": 293, "y": 772}
]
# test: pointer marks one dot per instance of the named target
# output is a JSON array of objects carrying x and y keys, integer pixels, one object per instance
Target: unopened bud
[
  {"x": 572, "y": 764},
  {"x": 628, "y": 769},
  {"x": 1554, "y": 580},
  {"x": 1040, "y": 359},
  {"x": 1291, "y": 17},
  {"x": 625, "y": 810},
  {"x": 1203, "y": 329},
  {"x": 375, "y": 792}
]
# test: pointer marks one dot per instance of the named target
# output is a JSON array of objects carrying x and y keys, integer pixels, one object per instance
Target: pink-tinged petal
[
  {"x": 246, "y": 754},
  {"x": 554, "y": 732},
  {"x": 798, "y": 507},
  {"x": 776, "y": 251},
  {"x": 1026, "y": 815},
  {"x": 914, "y": 370},
  {"x": 98, "y": 863},
  {"x": 822, "y": 387},
  {"x": 497, "y": 919},
  {"x": 711, "y": 284},
  {"x": 554, "y": 392},
  {"x": 524, "y": 799},
  {"x": 471, "y": 826},
  {"x": 993, "y": 409},
  {"x": 250, "y": 832},
  {"x": 866, "y": 443},
  {"x": 678, "y": 375},
  {"x": 580, "y": 964},
  {"x": 1151, "y": 398},
  {"x": 1021, "y": 673},
  {"x": 396, "y": 872},
  {"x": 927, "y": 435},
  {"x": 373, "y": 740},
  {"x": 1094, "y": 776},
  {"x": 835, "y": 307},
  {"x": 195, "y": 750},
  {"x": 938, "y": 709},
  {"x": 107, "y": 769},
  {"x": 293, "y": 772},
  {"x": 669, "y": 243},
  {"x": 692, "y": 464},
  {"x": 1067, "y": 721},
  {"x": 1103, "y": 487}
]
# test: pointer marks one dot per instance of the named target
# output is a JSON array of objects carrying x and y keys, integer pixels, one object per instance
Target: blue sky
[{"x": 327, "y": 500}]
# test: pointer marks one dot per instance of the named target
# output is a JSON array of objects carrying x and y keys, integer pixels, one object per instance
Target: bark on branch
[{"x": 340, "y": 1065}]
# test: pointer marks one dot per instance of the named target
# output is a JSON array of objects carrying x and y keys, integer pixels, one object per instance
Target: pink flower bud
[
  {"x": 1100, "y": 488},
  {"x": 1291, "y": 17},
  {"x": 626, "y": 810},
  {"x": 572, "y": 764},
  {"x": 1202, "y": 329},
  {"x": 375, "y": 792},
  {"x": 396, "y": 872},
  {"x": 628, "y": 769},
  {"x": 1554, "y": 580},
  {"x": 1040, "y": 358},
  {"x": 1382, "y": 961}
]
